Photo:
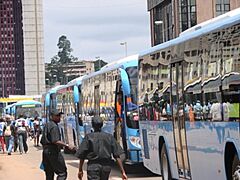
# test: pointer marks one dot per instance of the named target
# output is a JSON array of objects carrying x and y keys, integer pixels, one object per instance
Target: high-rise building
[
  {"x": 21, "y": 48},
  {"x": 171, "y": 17}
]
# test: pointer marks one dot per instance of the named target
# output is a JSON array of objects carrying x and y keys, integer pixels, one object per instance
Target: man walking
[
  {"x": 53, "y": 161},
  {"x": 98, "y": 147},
  {"x": 22, "y": 131}
]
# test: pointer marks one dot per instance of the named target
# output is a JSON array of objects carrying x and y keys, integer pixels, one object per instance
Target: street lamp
[
  {"x": 124, "y": 44},
  {"x": 158, "y": 23}
]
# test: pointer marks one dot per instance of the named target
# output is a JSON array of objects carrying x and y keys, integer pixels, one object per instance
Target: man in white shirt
[{"x": 22, "y": 130}]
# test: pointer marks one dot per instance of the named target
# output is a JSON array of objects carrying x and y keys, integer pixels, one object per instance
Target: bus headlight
[{"x": 135, "y": 141}]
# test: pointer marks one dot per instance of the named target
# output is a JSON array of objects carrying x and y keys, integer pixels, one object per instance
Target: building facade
[
  {"x": 21, "y": 48},
  {"x": 168, "y": 18},
  {"x": 70, "y": 71},
  {"x": 34, "y": 68},
  {"x": 11, "y": 48}
]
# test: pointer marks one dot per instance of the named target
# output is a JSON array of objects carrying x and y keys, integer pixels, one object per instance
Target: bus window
[
  {"x": 211, "y": 84},
  {"x": 193, "y": 105},
  {"x": 231, "y": 82},
  {"x": 131, "y": 102}
]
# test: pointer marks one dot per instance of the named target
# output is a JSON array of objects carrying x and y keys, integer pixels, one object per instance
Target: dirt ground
[{"x": 27, "y": 167}]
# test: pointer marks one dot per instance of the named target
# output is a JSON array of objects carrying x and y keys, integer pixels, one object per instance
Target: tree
[
  {"x": 64, "y": 53},
  {"x": 98, "y": 64},
  {"x": 55, "y": 70}
]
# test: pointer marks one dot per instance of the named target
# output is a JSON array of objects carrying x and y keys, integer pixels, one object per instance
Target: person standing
[
  {"x": 52, "y": 159},
  {"x": 22, "y": 131},
  {"x": 8, "y": 133},
  {"x": 98, "y": 147},
  {"x": 2, "y": 127},
  {"x": 37, "y": 131}
]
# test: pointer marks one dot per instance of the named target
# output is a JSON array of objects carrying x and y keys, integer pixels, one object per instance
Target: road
[{"x": 26, "y": 166}]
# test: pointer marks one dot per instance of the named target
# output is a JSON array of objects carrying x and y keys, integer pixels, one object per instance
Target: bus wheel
[
  {"x": 165, "y": 168},
  {"x": 235, "y": 168}
]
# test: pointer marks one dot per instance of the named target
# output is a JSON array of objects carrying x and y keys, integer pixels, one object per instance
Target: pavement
[{"x": 27, "y": 167}]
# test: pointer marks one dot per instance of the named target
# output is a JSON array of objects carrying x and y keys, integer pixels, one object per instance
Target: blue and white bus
[
  {"x": 188, "y": 98},
  {"x": 111, "y": 93},
  {"x": 27, "y": 108},
  {"x": 9, "y": 109},
  {"x": 50, "y": 102},
  {"x": 67, "y": 101}
]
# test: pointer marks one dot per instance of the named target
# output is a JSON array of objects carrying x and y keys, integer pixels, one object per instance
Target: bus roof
[
  {"x": 231, "y": 19},
  {"x": 76, "y": 81},
  {"x": 26, "y": 102},
  {"x": 54, "y": 90},
  {"x": 121, "y": 62},
  {"x": 129, "y": 61}
]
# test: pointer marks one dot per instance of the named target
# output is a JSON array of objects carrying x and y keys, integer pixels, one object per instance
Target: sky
[{"x": 96, "y": 28}]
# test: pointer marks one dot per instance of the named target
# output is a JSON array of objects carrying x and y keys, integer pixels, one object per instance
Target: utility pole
[{"x": 125, "y": 45}]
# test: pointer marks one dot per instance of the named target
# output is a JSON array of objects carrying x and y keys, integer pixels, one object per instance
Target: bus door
[
  {"x": 179, "y": 130},
  {"x": 119, "y": 119}
]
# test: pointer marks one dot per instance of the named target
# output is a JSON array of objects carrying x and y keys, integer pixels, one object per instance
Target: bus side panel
[
  {"x": 150, "y": 130},
  {"x": 206, "y": 143}
]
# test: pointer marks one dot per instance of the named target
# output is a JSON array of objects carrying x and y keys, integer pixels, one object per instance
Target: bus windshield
[
  {"x": 131, "y": 107},
  {"x": 29, "y": 111}
]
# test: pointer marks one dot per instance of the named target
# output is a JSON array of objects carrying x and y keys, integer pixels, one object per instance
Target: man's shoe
[{"x": 9, "y": 153}]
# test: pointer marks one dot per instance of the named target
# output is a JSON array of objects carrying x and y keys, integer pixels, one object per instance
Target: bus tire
[
  {"x": 235, "y": 168},
  {"x": 165, "y": 167}
]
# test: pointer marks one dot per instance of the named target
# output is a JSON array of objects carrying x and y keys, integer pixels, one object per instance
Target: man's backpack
[{"x": 8, "y": 132}]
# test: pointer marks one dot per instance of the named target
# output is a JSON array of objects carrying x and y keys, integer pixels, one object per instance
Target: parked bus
[
  {"x": 188, "y": 98},
  {"x": 67, "y": 100},
  {"x": 109, "y": 93},
  {"x": 9, "y": 109},
  {"x": 50, "y": 102},
  {"x": 27, "y": 108}
]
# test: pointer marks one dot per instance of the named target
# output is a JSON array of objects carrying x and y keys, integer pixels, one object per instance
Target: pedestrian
[
  {"x": 8, "y": 133},
  {"x": 99, "y": 147},
  {"x": 52, "y": 159},
  {"x": 36, "y": 130},
  {"x": 2, "y": 127},
  {"x": 22, "y": 131}
]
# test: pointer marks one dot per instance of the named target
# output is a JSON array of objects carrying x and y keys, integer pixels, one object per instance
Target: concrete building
[
  {"x": 169, "y": 18},
  {"x": 79, "y": 68},
  {"x": 74, "y": 69},
  {"x": 21, "y": 48},
  {"x": 34, "y": 68}
]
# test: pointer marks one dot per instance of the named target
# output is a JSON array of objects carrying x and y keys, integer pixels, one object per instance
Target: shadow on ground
[{"x": 136, "y": 170}]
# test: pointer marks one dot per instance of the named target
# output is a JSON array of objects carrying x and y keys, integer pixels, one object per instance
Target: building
[
  {"x": 78, "y": 68},
  {"x": 21, "y": 48},
  {"x": 33, "y": 47},
  {"x": 168, "y": 18},
  {"x": 71, "y": 70}
]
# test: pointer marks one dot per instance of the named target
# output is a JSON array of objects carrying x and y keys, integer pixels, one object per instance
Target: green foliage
[
  {"x": 54, "y": 71},
  {"x": 98, "y": 64},
  {"x": 64, "y": 53}
]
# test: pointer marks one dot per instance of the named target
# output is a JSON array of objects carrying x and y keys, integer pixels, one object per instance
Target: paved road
[{"x": 26, "y": 167}]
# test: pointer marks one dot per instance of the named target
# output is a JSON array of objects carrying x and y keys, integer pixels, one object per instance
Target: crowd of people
[{"x": 15, "y": 132}]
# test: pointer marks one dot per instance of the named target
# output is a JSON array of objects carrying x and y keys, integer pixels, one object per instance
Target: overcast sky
[{"x": 96, "y": 27}]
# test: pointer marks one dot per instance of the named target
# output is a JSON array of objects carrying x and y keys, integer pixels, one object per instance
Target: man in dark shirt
[
  {"x": 98, "y": 147},
  {"x": 53, "y": 161}
]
